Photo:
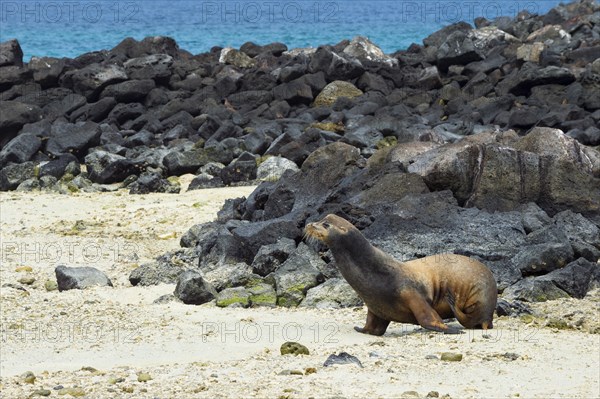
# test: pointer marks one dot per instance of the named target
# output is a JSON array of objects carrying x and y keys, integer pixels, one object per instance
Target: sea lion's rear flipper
[
  {"x": 374, "y": 325},
  {"x": 426, "y": 316}
]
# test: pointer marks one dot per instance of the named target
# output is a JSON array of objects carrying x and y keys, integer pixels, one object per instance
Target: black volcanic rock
[
  {"x": 14, "y": 116},
  {"x": 20, "y": 149},
  {"x": 72, "y": 138},
  {"x": 11, "y": 53}
]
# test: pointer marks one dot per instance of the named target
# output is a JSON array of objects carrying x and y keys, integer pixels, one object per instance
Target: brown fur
[{"x": 422, "y": 291}]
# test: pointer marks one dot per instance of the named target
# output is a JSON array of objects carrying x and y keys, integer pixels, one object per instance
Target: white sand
[{"x": 205, "y": 351}]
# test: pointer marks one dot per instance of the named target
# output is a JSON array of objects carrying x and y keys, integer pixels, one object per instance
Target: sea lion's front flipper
[
  {"x": 426, "y": 316},
  {"x": 374, "y": 325}
]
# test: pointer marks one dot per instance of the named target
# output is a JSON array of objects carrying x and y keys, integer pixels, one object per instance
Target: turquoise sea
[{"x": 67, "y": 28}]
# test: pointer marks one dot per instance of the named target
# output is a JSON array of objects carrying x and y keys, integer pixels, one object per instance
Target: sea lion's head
[{"x": 328, "y": 229}]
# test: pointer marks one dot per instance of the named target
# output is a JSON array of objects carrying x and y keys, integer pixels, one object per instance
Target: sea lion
[{"x": 422, "y": 291}]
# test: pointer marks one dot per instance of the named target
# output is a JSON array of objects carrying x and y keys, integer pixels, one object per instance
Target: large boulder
[
  {"x": 47, "y": 70},
  {"x": 104, "y": 167},
  {"x": 335, "y": 90},
  {"x": 129, "y": 91},
  {"x": 155, "y": 66},
  {"x": 546, "y": 167},
  {"x": 269, "y": 257},
  {"x": 14, "y": 174},
  {"x": 299, "y": 273},
  {"x": 333, "y": 293},
  {"x": 90, "y": 81},
  {"x": 236, "y": 58},
  {"x": 251, "y": 237},
  {"x": 69, "y": 278},
  {"x": 11, "y": 53},
  {"x": 20, "y": 149},
  {"x": 457, "y": 49},
  {"x": 14, "y": 116},
  {"x": 72, "y": 138},
  {"x": 192, "y": 289},
  {"x": 365, "y": 50},
  {"x": 165, "y": 269}
]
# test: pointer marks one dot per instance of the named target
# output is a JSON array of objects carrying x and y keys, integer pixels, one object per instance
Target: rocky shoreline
[{"x": 482, "y": 141}]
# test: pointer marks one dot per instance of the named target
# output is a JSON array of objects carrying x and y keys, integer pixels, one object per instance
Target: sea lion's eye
[{"x": 326, "y": 225}]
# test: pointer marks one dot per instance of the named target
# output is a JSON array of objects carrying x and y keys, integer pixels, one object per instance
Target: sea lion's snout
[{"x": 316, "y": 231}]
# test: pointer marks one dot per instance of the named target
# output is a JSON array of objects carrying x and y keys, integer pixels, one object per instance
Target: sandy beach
[{"x": 100, "y": 342}]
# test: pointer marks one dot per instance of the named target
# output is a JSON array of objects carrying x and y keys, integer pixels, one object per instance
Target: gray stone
[
  {"x": 236, "y": 58},
  {"x": 14, "y": 116},
  {"x": 14, "y": 174},
  {"x": 69, "y": 278},
  {"x": 274, "y": 167},
  {"x": 575, "y": 278},
  {"x": 225, "y": 275},
  {"x": 233, "y": 297},
  {"x": 11, "y": 53},
  {"x": 20, "y": 149},
  {"x": 165, "y": 269},
  {"x": 262, "y": 294},
  {"x": 252, "y": 236},
  {"x": 546, "y": 249},
  {"x": 90, "y": 80},
  {"x": 333, "y": 293},
  {"x": 72, "y": 138},
  {"x": 335, "y": 90},
  {"x": 534, "y": 289},
  {"x": 129, "y": 91},
  {"x": 270, "y": 257},
  {"x": 105, "y": 168},
  {"x": 179, "y": 163},
  {"x": 192, "y": 289},
  {"x": 47, "y": 70},
  {"x": 457, "y": 49},
  {"x": 365, "y": 50},
  {"x": 155, "y": 66},
  {"x": 153, "y": 183},
  {"x": 297, "y": 275}
]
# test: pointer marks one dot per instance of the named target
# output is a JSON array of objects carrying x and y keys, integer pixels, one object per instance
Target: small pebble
[
  {"x": 433, "y": 394},
  {"x": 310, "y": 370},
  {"x": 431, "y": 357},
  {"x": 27, "y": 280},
  {"x": 410, "y": 394},
  {"x": 342, "y": 358},
  {"x": 144, "y": 377},
  {"x": 293, "y": 348},
  {"x": 23, "y": 269},
  {"x": 41, "y": 392},
  {"x": 58, "y": 387},
  {"x": 451, "y": 357},
  {"x": 29, "y": 377},
  {"x": 75, "y": 392},
  {"x": 50, "y": 285},
  {"x": 127, "y": 389}
]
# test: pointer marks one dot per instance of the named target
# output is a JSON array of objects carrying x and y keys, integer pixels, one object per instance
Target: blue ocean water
[{"x": 67, "y": 28}]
